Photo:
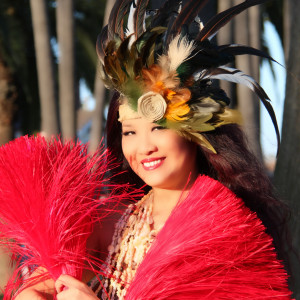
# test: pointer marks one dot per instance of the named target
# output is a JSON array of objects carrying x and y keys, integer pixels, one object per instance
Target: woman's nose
[{"x": 147, "y": 146}]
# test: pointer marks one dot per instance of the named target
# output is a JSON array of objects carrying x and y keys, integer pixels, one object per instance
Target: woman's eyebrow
[{"x": 126, "y": 125}]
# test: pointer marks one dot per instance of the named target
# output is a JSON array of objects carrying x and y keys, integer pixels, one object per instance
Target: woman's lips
[{"x": 152, "y": 163}]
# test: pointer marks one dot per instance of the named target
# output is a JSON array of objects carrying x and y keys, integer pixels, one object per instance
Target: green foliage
[{"x": 17, "y": 48}]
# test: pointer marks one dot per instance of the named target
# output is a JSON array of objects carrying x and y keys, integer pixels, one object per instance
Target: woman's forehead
[{"x": 136, "y": 121}]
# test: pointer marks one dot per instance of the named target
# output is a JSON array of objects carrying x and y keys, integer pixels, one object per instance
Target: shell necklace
[{"x": 134, "y": 234}]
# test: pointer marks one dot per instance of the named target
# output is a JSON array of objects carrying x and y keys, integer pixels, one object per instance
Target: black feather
[
  {"x": 139, "y": 17},
  {"x": 204, "y": 88},
  {"x": 123, "y": 55},
  {"x": 150, "y": 43},
  {"x": 186, "y": 16},
  {"x": 115, "y": 22},
  {"x": 162, "y": 16},
  {"x": 238, "y": 76},
  {"x": 235, "y": 49},
  {"x": 221, "y": 19},
  {"x": 204, "y": 56},
  {"x": 102, "y": 42},
  {"x": 138, "y": 66}
]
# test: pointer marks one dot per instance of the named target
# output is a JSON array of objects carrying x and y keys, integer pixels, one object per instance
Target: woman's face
[{"x": 159, "y": 156}]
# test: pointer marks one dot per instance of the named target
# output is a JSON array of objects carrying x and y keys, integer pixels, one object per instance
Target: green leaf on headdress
[{"x": 132, "y": 91}]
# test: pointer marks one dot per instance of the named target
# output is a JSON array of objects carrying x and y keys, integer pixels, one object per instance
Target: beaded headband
[{"x": 163, "y": 65}]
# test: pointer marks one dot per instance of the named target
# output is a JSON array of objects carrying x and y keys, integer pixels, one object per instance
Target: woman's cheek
[{"x": 133, "y": 163}]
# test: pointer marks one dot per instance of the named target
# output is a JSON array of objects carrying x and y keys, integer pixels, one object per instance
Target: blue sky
[{"x": 275, "y": 88}]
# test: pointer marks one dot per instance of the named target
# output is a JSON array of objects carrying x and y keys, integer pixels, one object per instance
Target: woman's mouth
[{"x": 151, "y": 164}]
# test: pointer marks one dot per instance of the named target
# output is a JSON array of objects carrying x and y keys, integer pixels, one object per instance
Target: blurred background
[{"x": 49, "y": 82}]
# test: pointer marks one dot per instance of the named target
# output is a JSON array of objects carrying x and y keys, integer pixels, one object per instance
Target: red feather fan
[
  {"x": 211, "y": 247},
  {"x": 47, "y": 203}
]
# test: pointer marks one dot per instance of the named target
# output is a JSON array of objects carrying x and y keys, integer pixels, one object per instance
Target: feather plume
[
  {"x": 116, "y": 17},
  {"x": 187, "y": 14},
  {"x": 49, "y": 195},
  {"x": 101, "y": 43},
  {"x": 211, "y": 247},
  {"x": 139, "y": 17},
  {"x": 179, "y": 51},
  {"x": 221, "y": 19},
  {"x": 162, "y": 16},
  {"x": 168, "y": 41},
  {"x": 130, "y": 22},
  {"x": 237, "y": 76},
  {"x": 147, "y": 51},
  {"x": 235, "y": 49}
]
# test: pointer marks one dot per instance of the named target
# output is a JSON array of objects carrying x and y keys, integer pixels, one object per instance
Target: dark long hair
[{"x": 234, "y": 165}]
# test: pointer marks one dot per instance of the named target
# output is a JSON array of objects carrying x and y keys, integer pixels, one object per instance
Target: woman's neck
[{"x": 164, "y": 201}]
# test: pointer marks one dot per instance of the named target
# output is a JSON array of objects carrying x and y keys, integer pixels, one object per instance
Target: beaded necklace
[{"x": 133, "y": 236}]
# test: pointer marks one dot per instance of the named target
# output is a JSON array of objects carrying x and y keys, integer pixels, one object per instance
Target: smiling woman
[
  {"x": 208, "y": 225},
  {"x": 159, "y": 156},
  {"x": 190, "y": 225}
]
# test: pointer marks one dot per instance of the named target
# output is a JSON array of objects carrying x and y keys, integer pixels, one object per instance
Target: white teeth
[{"x": 152, "y": 163}]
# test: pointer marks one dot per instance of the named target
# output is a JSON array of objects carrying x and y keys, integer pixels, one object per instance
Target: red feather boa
[
  {"x": 211, "y": 247},
  {"x": 49, "y": 201}
]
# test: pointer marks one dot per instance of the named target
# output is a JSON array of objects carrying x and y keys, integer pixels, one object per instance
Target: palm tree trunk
[
  {"x": 287, "y": 172},
  {"x": 66, "y": 68},
  {"x": 247, "y": 32},
  {"x": 49, "y": 119},
  {"x": 227, "y": 37},
  {"x": 287, "y": 28},
  {"x": 8, "y": 95},
  {"x": 99, "y": 94}
]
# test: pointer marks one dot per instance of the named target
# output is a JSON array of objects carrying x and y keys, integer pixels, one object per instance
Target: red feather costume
[
  {"x": 211, "y": 247},
  {"x": 49, "y": 201}
]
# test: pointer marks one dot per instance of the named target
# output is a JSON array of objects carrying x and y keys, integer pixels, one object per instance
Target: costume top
[
  {"x": 133, "y": 236},
  {"x": 211, "y": 247}
]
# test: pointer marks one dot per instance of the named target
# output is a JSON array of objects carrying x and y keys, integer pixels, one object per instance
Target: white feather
[
  {"x": 130, "y": 22},
  {"x": 199, "y": 22},
  {"x": 180, "y": 48},
  {"x": 236, "y": 76},
  {"x": 180, "y": 7}
]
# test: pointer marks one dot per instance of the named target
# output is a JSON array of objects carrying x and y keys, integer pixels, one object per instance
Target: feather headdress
[
  {"x": 163, "y": 69},
  {"x": 49, "y": 200}
]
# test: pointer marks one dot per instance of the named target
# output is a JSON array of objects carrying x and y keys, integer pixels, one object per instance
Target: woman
[
  {"x": 190, "y": 237},
  {"x": 170, "y": 164}
]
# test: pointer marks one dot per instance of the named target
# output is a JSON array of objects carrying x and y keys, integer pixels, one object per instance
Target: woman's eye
[
  {"x": 158, "y": 127},
  {"x": 127, "y": 133}
]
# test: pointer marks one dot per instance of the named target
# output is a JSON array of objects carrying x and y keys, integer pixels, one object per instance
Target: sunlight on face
[{"x": 159, "y": 156}]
